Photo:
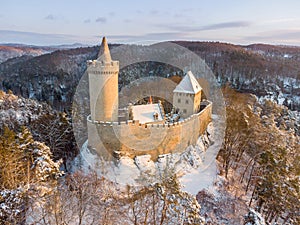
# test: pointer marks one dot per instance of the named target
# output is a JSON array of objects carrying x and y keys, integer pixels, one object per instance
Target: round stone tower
[{"x": 103, "y": 85}]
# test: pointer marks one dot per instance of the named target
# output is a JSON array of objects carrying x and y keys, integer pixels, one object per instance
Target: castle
[{"x": 146, "y": 128}]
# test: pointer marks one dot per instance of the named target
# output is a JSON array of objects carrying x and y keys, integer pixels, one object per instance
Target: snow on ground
[
  {"x": 144, "y": 113},
  {"x": 254, "y": 218},
  {"x": 195, "y": 167},
  {"x": 199, "y": 179},
  {"x": 124, "y": 171},
  {"x": 204, "y": 176}
]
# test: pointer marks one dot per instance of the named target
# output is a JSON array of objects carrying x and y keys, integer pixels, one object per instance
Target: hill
[
  {"x": 8, "y": 51},
  {"x": 268, "y": 71}
]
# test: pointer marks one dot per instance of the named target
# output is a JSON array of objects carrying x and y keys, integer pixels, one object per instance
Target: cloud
[
  {"x": 100, "y": 20},
  {"x": 87, "y": 21},
  {"x": 50, "y": 17},
  {"x": 280, "y": 20},
  {"x": 32, "y": 38},
  {"x": 234, "y": 24},
  {"x": 154, "y": 12},
  {"x": 190, "y": 9},
  {"x": 164, "y": 35},
  {"x": 215, "y": 26},
  {"x": 127, "y": 21},
  {"x": 276, "y": 36},
  {"x": 178, "y": 15},
  {"x": 146, "y": 38},
  {"x": 11, "y": 36}
]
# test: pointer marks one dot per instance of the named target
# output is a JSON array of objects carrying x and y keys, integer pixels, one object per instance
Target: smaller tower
[
  {"x": 187, "y": 96},
  {"x": 103, "y": 85}
]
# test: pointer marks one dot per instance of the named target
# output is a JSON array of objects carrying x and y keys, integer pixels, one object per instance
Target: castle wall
[{"x": 132, "y": 138}]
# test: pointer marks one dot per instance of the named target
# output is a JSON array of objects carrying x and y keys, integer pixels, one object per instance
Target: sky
[{"x": 55, "y": 22}]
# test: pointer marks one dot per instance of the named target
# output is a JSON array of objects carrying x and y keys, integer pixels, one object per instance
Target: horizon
[
  {"x": 81, "y": 45},
  {"x": 56, "y": 22}
]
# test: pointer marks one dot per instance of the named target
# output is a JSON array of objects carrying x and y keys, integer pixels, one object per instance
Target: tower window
[
  {"x": 179, "y": 100},
  {"x": 184, "y": 111},
  {"x": 186, "y": 101}
]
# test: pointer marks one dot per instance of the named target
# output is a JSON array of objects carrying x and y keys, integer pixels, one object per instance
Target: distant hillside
[
  {"x": 50, "y": 77},
  {"x": 267, "y": 71},
  {"x": 269, "y": 60},
  {"x": 11, "y": 51}
]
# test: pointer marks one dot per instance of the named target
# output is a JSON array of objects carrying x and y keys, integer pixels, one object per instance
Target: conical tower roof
[{"x": 104, "y": 53}]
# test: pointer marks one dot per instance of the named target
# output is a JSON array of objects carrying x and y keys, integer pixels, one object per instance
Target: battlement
[
  {"x": 102, "y": 63},
  {"x": 132, "y": 138},
  {"x": 149, "y": 133},
  {"x": 103, "y": 68},
  {"x": 136, "y": 123}
]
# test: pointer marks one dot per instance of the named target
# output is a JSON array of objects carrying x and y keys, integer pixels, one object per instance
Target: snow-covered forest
[{"x": 258, "y": 172}]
